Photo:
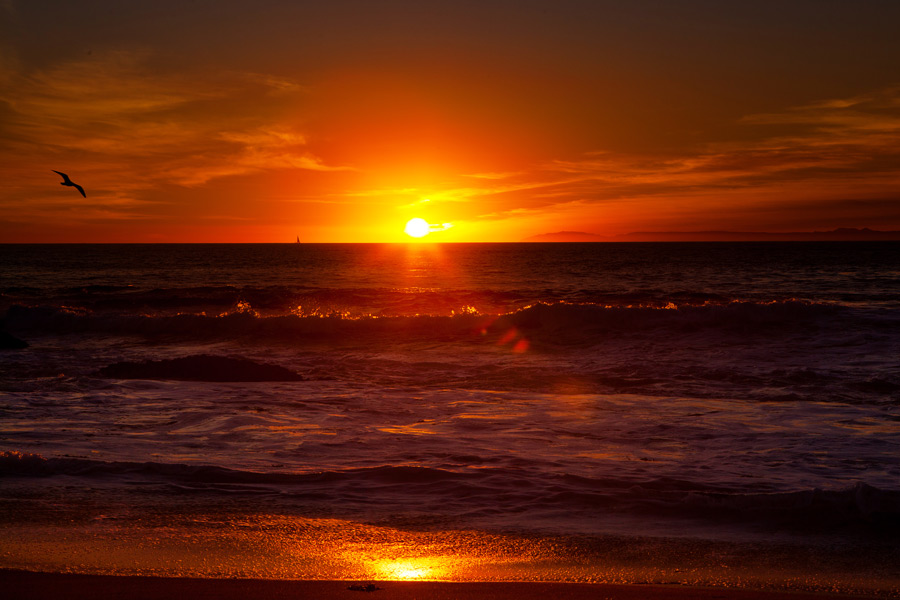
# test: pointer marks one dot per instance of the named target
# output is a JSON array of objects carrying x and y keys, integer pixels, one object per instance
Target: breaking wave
[{"x": 559, "y": 323}]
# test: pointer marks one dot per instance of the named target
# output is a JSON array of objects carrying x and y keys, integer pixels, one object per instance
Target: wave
[
  {"x": 271, "y": 300},
  {"x": 490, "y": 491},
  {"x": 557, "y": 323}
]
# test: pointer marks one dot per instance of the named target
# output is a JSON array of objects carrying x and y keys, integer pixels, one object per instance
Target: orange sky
[{"x": 338, "y": 121}]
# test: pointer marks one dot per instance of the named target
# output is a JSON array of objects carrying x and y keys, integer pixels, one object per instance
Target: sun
[{"x": 417, "y": 228}]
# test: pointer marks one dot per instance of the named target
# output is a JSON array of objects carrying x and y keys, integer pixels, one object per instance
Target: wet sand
[{"x": 22, "y": 585}]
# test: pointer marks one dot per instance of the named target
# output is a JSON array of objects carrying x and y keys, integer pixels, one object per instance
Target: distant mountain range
[{"x": 835, "y": 235}]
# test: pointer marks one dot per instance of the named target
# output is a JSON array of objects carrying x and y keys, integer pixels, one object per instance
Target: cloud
[
  {"x": 874, "y": 111},
  {"x": 833, "y": 146},
  {"x": 131, "y": 129},
  {"x": 133, "y": 134},
  {"x": 499, "y": 175},
  {"x": 801, "y": 157},
  {"x": 155, "y": 127}
]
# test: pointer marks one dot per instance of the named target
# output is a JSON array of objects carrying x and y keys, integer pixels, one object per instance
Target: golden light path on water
[
  {"x": 223, "y": 545},
  {"x": 271, "y": 547}
]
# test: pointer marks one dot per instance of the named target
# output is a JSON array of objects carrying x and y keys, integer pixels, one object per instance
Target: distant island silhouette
[{"x": 842, "y": 234}]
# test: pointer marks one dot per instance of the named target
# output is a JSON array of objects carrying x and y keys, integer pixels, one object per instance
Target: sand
[{"x": 23, "y": 585}]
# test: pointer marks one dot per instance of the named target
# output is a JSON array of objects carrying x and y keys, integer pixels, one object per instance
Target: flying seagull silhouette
[{"x": 67, "y": 181}]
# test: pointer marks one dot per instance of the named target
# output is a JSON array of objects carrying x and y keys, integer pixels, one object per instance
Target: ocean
[{"x": 698, "y": 413}]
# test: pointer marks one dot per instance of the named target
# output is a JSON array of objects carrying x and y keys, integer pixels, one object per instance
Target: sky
[{"x": 493, "y": 120}]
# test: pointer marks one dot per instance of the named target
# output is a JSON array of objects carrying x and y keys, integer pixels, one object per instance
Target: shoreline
[{"x": 31, "y": 585}]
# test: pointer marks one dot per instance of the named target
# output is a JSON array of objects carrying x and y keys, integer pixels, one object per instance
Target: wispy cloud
[
  {"x": 148, "y": 128},
  {"x": 496, "y": 175},
  {"x": 825, "y": 149},
  {"x": 813, "y": 155},
  {"x": 129, "y": 129}
]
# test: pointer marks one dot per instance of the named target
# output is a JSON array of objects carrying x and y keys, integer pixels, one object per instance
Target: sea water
[{"x": 713, "y": 413}]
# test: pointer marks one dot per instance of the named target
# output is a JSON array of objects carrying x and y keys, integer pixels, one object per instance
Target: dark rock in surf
[
  {"x": 201, "y": 367},
  {"x": 11, "y": 342}
]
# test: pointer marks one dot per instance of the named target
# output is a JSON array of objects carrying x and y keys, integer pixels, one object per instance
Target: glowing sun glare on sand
[{"x": 417, "y": 228}]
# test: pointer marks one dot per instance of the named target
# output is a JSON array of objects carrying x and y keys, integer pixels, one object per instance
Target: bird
[{"x": 69, "y": 182}]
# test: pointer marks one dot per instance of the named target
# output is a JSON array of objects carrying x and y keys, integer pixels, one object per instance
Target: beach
[{"x": 18, "y": 585}]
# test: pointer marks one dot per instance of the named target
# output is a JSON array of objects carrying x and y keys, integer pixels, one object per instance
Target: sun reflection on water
[
  {"x": 409, "y": 557},
  {"x": 408, "y": 570},
  {"x": 259, "y": 546}
]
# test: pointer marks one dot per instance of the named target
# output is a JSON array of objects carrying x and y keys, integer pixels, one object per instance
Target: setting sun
[{"x": 417, "y": 228}]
